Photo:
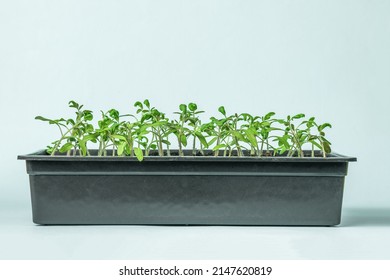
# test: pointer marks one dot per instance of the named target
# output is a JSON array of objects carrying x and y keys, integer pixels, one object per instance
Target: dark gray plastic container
[{"x": 190, "y": 190}]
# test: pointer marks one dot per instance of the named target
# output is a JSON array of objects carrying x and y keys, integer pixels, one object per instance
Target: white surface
[{"x": 363, "y": 234}]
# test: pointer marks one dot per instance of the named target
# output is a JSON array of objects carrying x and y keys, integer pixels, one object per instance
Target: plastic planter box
[{"x": 187, "y": 190}]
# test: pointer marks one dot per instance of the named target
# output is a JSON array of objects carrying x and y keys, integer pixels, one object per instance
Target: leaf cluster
[{"x": 149, "y": 129}]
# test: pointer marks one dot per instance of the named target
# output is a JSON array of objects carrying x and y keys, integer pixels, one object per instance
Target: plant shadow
[{"x": 378, "y": 217}]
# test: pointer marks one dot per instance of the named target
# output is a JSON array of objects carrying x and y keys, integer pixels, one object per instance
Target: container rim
[{"x": 41, "y": 155}]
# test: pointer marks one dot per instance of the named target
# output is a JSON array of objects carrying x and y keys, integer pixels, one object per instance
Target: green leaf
[
  {"x": 83, "y": 147},
  {"x": 147, "y": 103},
  {"x": 326, "y": 147},
  {"x": 212, "y": 141},
  {"x": 217, "y": 147},
  {"x": 265, "y": 124},
  {"x": 89, "y": 128},
  {"x": 155, "y": 112},
  {"x": 309, "y": 124},
  {"x": 90, "y": 137},
  {"x": 222, "y": 110},
  {"x": 145, "y": 117},
  {"x": 298, "y": 116},
  {"x": 282, "y": 150},
  {"x": 269, "y": 115},
  {"x": 139, "y": 154},
  {"x": 166, "y": 142},
  {"x": 121, "y": 148},
  {"x": 153, "y": 146},
  {"x": 323, "y": 126},
  {"x": 246, "y": 116},
  {"x": 316, "y": 144},
  {"x": 283, "y": 141},
  {"x": 114, "y": 114},
  {"x": 138, "y": 104},
  {"x": 192, "y": 107},
  {"x": 73, "y": 104},
  {"x": 88, "y": 115},
  {"x": 202, "y": 139},
  {"x": 238, "y": 135},
  {"x": 40, "y": 118},
  {"x": 183, "y": 140},
  {"x": 183, "y": 108},
  {"x": 251, "y": 137},
  {"x": 120, "y": 137},
  {"x": 70, "y": 121},
  {"x": 66, "y": 147},
  {"x": 157, "y": 124}
]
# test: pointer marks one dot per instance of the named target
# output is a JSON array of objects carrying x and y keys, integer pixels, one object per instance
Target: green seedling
[
  {"x": 179, "y": 128},
  {"x": 157, "y": 123},
  {"x": 196, "y": 128},
  {"x": 75, "y": 133},
  {"x": 237, "y": 134}
]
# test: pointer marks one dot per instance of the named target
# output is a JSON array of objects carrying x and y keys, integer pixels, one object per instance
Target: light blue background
[{"x": 330, "y": 59}]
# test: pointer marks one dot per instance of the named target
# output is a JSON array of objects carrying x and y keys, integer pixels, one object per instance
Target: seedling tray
[{"x": 189, "y": 190}]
